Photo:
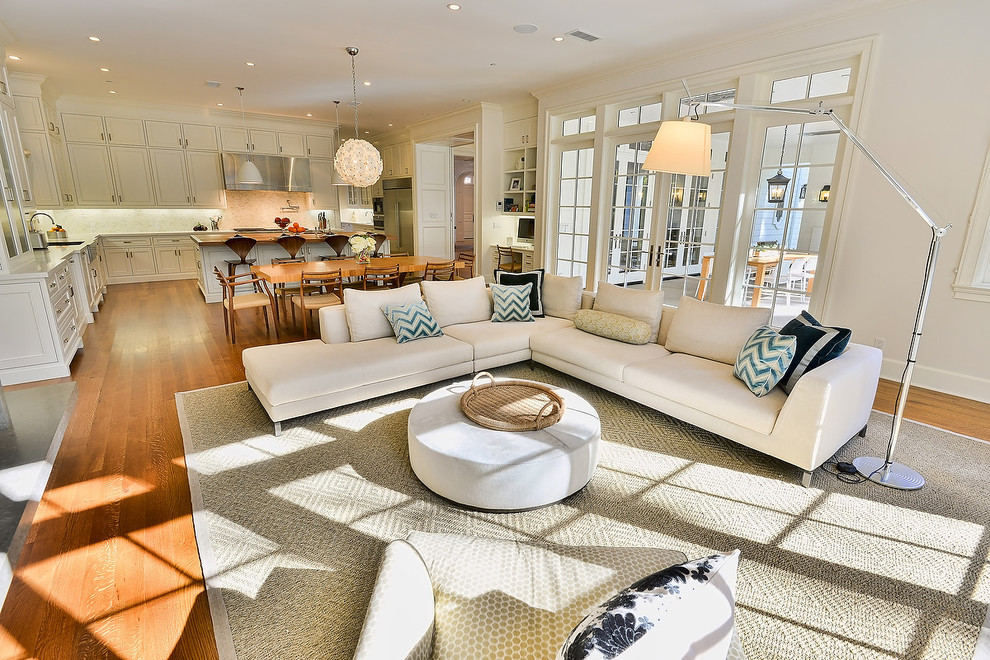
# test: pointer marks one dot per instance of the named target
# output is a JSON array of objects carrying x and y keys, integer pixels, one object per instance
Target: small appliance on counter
[{"x": 37, "y": 238}]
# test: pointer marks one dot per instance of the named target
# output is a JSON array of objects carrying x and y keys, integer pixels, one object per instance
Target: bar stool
[
  {"x": 291, "y": 244},
  {"x": 379, "y": 242},
  {"x": 337, "y": 243},
  {"x": 241, "y": 245}
]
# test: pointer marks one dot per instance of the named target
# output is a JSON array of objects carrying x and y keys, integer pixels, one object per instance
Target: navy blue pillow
[
  {"x": 534, "y": 277},
  {"x": 816, "y": 345}
]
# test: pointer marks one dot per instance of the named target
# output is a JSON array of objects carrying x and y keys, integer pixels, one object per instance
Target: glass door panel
[
  {"x": 632, "y": 216},
  {"x": 574, "y": 212}
]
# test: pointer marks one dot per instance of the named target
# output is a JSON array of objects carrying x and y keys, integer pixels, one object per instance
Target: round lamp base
[{"x": 896, "y": 476}]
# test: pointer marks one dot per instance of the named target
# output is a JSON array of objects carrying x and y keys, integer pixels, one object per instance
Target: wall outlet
[{"x": 878, "y": 342}]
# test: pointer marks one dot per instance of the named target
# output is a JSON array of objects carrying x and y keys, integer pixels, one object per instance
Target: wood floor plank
[{"x": 110, "y": 568}]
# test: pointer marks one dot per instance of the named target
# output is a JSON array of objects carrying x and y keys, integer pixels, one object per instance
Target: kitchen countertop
[
  {"x": 219, "y": 237},
  {"x": 38, "y": 263}
]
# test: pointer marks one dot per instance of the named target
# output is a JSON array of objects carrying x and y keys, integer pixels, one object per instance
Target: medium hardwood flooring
[{"x": 110, "y": 568}]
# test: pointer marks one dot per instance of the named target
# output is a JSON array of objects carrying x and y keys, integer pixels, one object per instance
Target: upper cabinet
[
  {"x": 519, "y": 133},
  {"x": 111, "y": 176},
  {"x": 396, "y": 160},
  {"x": 189, "y": 179},
  {"x": 41, "y": 169},
  {"x": 291, "y": 144},
  {"x": 319, "y": 146},
  {"x": 30, "y": 116},
  {"x": 175, "y": 135},
  {"x": 94, "y": 129}
]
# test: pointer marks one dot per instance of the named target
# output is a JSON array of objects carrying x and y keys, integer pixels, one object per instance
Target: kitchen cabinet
[
  {"x": 15, "y": 153},
  {"x": 174, "y": 255},
  {"x": 5, "y": 96},
  {"x": 324, "y": 192},
  {"x": 262, "y": 141},
  {"x": 187, "y": 178},
  {"x": 126, "y": 258},
  {"x": 51, "y": 120},
  {"x": 519, "y": 133},
  {"x": 94, "y": 129},
  {"x": 176, "y": 135},
  {"x": 41, "y": 169},
  {"x": 291, "y": 144},
  {"x": 111, "y": 176},
  {"x": 319, "y": 146},
  {"x": 396, "y": 160},
  {"x": 30, "y": 116}
]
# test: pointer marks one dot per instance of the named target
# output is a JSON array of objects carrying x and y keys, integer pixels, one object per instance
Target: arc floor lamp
[{"x": 684, "y": 147}]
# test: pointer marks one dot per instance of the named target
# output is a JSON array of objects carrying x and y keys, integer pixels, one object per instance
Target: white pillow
[
  {"x": 716, "y": 332},
  {"x": 363, "y": 310},
  {"x": 562, "y": 295},
  {"x": 460, "y": 301},
  {"x": 640, "y": 304}
]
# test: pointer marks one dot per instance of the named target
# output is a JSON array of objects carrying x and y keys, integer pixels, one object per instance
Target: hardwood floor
[{"x": 110, "y": 568}]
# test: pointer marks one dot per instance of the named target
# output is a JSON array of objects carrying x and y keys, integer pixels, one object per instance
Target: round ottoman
[{"x": 501, "y": 470}]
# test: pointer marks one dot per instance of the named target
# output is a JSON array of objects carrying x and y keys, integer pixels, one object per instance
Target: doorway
[
  {"x": 464, "y": 199},
  {"x": 445, "y": 195}
]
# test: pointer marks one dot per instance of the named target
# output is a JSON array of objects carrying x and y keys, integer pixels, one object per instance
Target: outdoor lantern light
[{"x": 823, "y": 195}]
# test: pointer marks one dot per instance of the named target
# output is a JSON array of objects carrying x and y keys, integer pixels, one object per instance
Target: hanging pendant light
[
  {"x": 777, "y": 184},
  {"x": 357, "y": 161},
  {"x": 824, "y": 193},
  {"x": 335, "y": 179},
  {"x": 247, "y": 173}
]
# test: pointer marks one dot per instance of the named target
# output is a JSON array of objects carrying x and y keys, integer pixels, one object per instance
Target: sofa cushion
[
  {"x": 682, "y": 611},
  {"x": 411, "y": 321},
  {"x": 562, "y": 295},
  {"x": 707, "y": 386},
  {"x": 491, "y": 339},
  {"x": 640, "y": 304},
  {"x": 816, "y": 345},
  {"x": 612, "y": 326},
  {"x": 534, "y": 277},
  {"x": 459, "y": 301},
  {"x": 763, "y": 359},
  {"x": 363, "y": 309},
  {"x": 716, "y": 332},
  {"x": 301, "y": 370},
  {"x": 510, "y": 303},
  {"x": 602, "y": 356}
]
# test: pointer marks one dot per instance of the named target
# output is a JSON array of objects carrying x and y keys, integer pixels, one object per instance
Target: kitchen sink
[{"x": 61, "y": 243}]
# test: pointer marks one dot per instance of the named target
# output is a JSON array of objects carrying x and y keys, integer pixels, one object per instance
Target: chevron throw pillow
[
  {"x": 511, "y": 302},
  {"x": 411, "y": 321},
  {"x": 763, "y": 359}
]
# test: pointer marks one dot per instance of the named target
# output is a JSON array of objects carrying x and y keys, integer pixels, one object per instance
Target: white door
[
  {"x": 132, "y": 170},
  {"x": 205, "y": 179},
  {"x": 169, "y": 168},
  {"x": 434, "y": 201}
]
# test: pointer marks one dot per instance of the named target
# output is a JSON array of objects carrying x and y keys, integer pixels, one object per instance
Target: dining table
[
  {"x": 349, "y": 267},
  {"x": 760, "y": 262}
]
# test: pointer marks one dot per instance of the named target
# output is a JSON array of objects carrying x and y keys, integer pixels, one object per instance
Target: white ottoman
[{"x": 501, "y": 470}]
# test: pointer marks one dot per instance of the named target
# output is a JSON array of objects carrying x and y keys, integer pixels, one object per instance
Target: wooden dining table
[
  {"x": 761, "y": 262},
  {"x": 292, "y": 272}
]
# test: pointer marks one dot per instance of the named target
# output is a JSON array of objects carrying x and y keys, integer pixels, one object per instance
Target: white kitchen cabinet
[
  {"x": 130, "y": 262},
  {"x": 396, "y": 160},
  {"x": 291, "y": 144},
  {"x": 41, "y": 170},
  {"x": 94, "y": 129},
  {"x": 175, "y": 135},
  {"x": 187, "y": 178},
  {"x": 205, "y": 179},
  {"x": 200, "y": 137},
  {"x": 233, "y": 139},
  {"x": 324, "y": 192},
  {"x": 263, "y": 141},
  {"x": 132, "y": 172},
  {"x": 5, "y": 96},
  {"x": 519, "y": 133},
  {"x": 51, "y": 120},
  {"x": 175, "y": 255},
  {"x": 91, "y": 174},
  {"x": 15, "y": 152},
  {"x": 30, "y": 115},
  {"x": 125, "y": 132},
  {"x": 319, "y": 146}
]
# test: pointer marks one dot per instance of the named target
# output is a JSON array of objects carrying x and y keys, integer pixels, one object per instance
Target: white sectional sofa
[{"x": 355, "y": 360}]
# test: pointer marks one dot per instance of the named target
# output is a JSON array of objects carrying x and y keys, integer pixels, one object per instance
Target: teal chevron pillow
[
  {"x": 511, "y": 302},
  {"x": 764, "y": 359},
  {"x": 411, "y": 321}
]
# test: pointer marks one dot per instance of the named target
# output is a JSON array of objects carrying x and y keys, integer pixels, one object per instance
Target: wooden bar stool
[
  {"x": 241, "y": 245},
  {"x": 337, "y": 243},
  {"x": 291, "y": 244}
]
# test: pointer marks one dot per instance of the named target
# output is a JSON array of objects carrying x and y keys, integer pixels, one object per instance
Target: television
[{"x": 526, "y": 230}]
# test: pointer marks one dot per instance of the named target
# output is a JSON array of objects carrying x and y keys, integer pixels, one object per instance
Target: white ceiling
[{"x": 422, "y": 59}]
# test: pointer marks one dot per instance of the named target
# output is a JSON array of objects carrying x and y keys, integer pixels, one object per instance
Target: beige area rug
[{"x": 291, "y": 529}]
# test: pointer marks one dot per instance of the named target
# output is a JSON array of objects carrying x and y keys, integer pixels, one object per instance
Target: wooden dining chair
[
  {"x": 467, "y": 271},
  {"x": 260, "y": 297},
  {"x": 241, "y": 245},
  {"x": 381, "y": 277},
  {"x": 291, "y": 244},
  {"x": 507, "y": 260},
  {"x": 439, "y": 270},
  {"x": 317, "y": 290},
  {"x": 284, "y": 291}
]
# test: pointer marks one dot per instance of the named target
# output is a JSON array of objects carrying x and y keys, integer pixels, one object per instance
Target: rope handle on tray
[
  {"x": 474, "y": 381},
  {"x": 541, "y": 418}
]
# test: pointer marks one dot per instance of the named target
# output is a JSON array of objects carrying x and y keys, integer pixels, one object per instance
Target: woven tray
[{"x": 511, "y": 405}]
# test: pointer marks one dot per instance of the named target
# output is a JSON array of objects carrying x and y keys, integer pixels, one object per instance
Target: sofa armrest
[
  {"x": 399, "y": 622},
  {"x": 831, "y": 403},
  {"x": 333, "y": 325}
]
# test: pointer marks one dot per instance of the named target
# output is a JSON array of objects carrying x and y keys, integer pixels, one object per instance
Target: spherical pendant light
[{"x": 357, "y": 161}]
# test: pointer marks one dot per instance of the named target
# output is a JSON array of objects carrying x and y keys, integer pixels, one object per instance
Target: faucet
[{"x": 32, "y": 222}]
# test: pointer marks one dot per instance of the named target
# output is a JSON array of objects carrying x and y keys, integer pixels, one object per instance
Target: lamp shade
[
  {"x": 248, "y": 173},
  {"x": 681, "y": 147},
  {"x": 358, "y": 163}
]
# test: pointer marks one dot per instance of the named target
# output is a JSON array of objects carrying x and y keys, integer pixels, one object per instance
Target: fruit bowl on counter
[
  {"x": 295, "y": 228},
  {"x": 57, "y": 232},
  {"x": 282, "y": 223}
]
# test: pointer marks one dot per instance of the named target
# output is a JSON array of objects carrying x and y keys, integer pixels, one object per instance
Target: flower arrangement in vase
[{"x": 363, "y": 246}]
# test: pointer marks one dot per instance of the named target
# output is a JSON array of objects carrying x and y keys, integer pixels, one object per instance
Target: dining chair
[
  {"x": 379, "y": 242},
  {"x": 241, "y": 245},
  {"x": 260, "y": 297},
  {"x": 467, "y": 271},
  {"x": 381, "y": 277},
  {"x": 317, "y": 290},
  {"x": 284, "y": 291},
  {"x": 507, "y": 260},
  {"x": 291, "y": 244},
  {"x": 439, "y": 271}
]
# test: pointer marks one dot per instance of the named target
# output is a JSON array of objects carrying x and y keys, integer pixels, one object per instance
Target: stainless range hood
[{"x": 278, "y": 173}]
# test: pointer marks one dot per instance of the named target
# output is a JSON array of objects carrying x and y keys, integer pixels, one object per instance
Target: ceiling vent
[
  {"x": 581, "y": 34},
  {"x": 213, "y": 83}
]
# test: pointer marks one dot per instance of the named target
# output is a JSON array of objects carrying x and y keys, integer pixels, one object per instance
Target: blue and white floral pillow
[{"x": 663, "y": 615}]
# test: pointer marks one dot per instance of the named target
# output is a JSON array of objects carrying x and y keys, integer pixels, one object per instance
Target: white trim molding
[{"x": 973, "y": 274}]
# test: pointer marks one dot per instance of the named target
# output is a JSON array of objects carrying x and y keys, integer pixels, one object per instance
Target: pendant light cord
[
  {"x": 783, "y": 144},
  {"x": 336, "y": 115},
  {"x": 354, "y": 90},
  {"x": 247, "y": 142}
]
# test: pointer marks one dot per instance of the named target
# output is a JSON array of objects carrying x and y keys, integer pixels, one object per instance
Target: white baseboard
[{"x": 940, "y": 380}]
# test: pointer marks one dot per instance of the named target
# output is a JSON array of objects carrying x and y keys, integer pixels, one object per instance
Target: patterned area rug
[{"x": 292, "y": 528}]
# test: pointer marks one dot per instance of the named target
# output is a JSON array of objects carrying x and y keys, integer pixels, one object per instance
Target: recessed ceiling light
[
  {"x": 309, "y": 114},
  {"x": 453, "y": 6},
  {"x": 219, "y": 105},
  {"x": 104, "y": 69},
  {"x": 367, "y": 83},
  {"x": 390, "y": 124},
  {"x": 250, "y": 63},
  {"x": 558, "y": 38},
  {"x": 94, "y": 39},
  {"x": 367, "y": 132},
  {"x": 13, "y": 57},
  {"x": 112, "y": 91},
  {"x": 525, "y": 28}
]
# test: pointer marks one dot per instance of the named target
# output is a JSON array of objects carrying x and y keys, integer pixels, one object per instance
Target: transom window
[
  {"x": 578, "y": 125},
  {"x": 823, "y": 83},
  {"x": 721, "y": 96},
  {"x": 639, "y": 114}
]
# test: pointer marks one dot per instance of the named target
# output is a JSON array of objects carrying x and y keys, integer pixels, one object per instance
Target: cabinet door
[
  {"x": 167, "y": 259},
  {"x": 118, "y": 262},
  {"x": 291, "y": 144},
  {"x": 125, "y": 131},
  {"x": 29, "y": 339},
  {"x": 90, "y": 165},
  {"x": 83, "y": 128},
  {"x": 132, "y": 170},
  {"x": 403, "y": 165},
  {"x": 188, "y": 260},
  {"x": 60, "y": 158},
  {"x": 201, "y": 137},
  {"x": 389, "y": 166},
  {"x": 167, "y": 134},
  {"x": 143, "y": 261},
  {"x": 319, "y": 146},
  {"x": 324, "y": 192},
  {"x": 41, "y": 170},
  {"x": 205, "y": 179},
  {"x": 264, "y": 142},
  {"x": 233, "y": 139},
  {"x": 29, "y": 113},
  {"x": 12, "y": 138},
  {"x": 51, "y": 121},
  {"x": 519, "y": 133},
  {"x": 169, "y": 169}
]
